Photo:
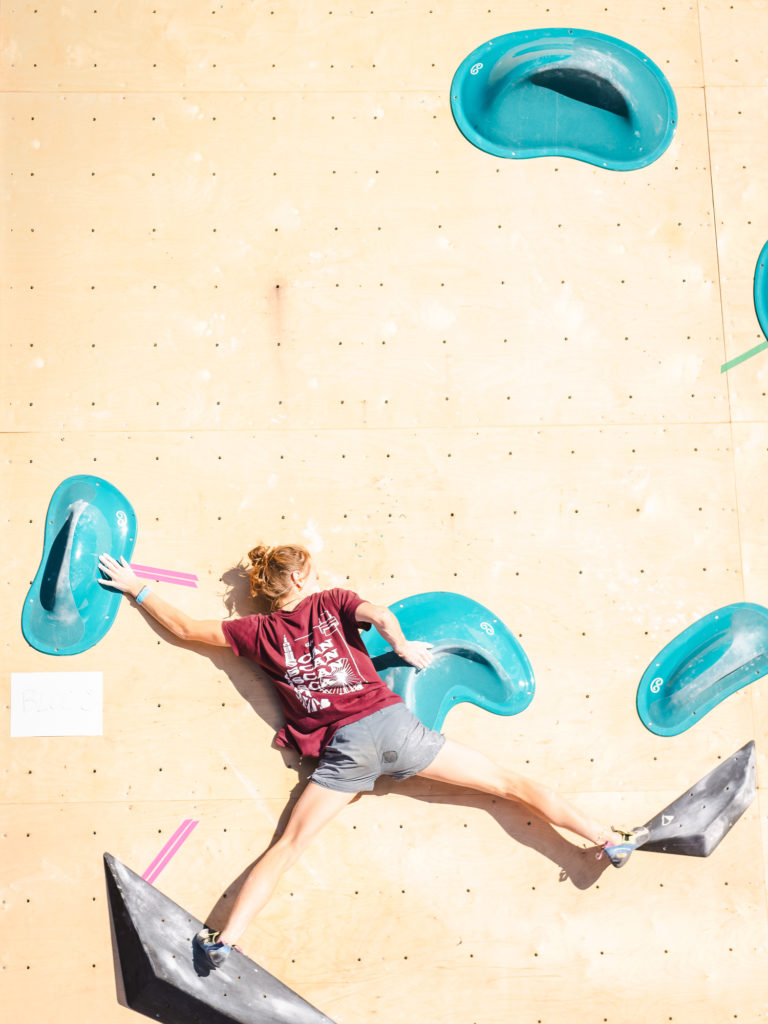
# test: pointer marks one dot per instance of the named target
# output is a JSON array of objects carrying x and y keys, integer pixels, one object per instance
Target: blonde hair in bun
[{"x": 271, "y": 568}]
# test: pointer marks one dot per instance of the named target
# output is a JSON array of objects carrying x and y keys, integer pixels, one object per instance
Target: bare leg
[
  {"x": 314, "y": 809},
  {"x": 463, "y": 766}
]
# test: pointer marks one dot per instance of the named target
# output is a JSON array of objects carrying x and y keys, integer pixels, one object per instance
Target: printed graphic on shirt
[{"x": 320, "y": 663}]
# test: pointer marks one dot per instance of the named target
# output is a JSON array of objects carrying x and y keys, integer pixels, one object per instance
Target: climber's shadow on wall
[
  {"x": 582, "y": 867},
  {"x": 247, "y": 678},
  {"x": 578, "y": 863}
]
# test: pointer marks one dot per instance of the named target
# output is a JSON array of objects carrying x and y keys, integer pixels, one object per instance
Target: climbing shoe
[
  {"x": 619, "y": 853},
  {"x": 215, "y": 952}
]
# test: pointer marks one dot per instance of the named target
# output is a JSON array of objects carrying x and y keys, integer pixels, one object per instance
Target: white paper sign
[{"x": 56, "y": 703}]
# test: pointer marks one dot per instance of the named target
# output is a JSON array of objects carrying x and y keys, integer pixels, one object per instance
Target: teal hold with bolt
[
  {"x": 67, "y": 610},
  {"x": 475, "y": 659},
  {"x": 710, "y": 660},
  {"x": 565, "y": 92}
]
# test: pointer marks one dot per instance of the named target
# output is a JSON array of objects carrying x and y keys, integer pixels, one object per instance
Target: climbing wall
[{"x": 253, "y": 275}]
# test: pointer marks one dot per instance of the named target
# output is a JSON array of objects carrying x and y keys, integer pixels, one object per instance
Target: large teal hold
[
  {"x": 66, "y": 610},
  {"x": 475, "y": 659},
  {"x": 761, "y": 289},
  {"x": 707, "y": 662},
  {"x": 564, "y": 92}
]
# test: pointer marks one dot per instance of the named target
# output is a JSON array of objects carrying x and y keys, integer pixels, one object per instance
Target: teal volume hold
[
  {"x": 761, "y": 289},
  {"x": 67, "y": 610},
  {"x": 476, "y": 659},
  {"x": 707, "y": 662},
  {"x": 564, "y": 92}
]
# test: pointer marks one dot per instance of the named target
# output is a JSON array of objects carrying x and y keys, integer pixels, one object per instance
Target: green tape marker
[
  {"x": 761, "y": 308},
  {"x": 745, "y": 355}
]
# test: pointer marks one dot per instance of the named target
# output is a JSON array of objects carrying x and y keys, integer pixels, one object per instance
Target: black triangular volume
[
  {"x": 699, "y": 820},
  {"x": 165, "y": 977}
]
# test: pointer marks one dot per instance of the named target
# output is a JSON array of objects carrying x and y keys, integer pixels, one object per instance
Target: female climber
[{"x": 340, "y": 711}]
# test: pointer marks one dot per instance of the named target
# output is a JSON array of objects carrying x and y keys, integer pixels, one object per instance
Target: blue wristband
[{"x": 142, "y": 594}]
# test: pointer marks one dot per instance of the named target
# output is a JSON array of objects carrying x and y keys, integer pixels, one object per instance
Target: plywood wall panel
[
  {"x": 346, "y": 292},
  {"x": 751, "y": 455},
  {"x": 591, "y": 573},
  {"x": 277, "y": 47},
  {"x": 500, "y": 933},
  {"x": 733, "y": 42},
  {"x": 739, "y": 151}
]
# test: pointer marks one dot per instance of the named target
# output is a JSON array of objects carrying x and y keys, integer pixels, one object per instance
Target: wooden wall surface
[{"x": 254, "y": 276}]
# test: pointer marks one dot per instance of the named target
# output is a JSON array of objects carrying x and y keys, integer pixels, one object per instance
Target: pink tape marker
[
  {"x": 171, "y": 848},
  {"x": 149, "y": 572}
]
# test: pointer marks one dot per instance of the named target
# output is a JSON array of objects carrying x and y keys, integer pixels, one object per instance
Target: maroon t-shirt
[{"x": 318, "y": 664}]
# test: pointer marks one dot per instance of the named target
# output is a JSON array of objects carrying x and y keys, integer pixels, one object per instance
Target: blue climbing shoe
[
  {"x": 619, "y": 853},
  {"x": 215, "y": 952}
]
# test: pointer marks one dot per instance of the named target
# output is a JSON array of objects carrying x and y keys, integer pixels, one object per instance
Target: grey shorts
[{"x": 389, "y": 742}]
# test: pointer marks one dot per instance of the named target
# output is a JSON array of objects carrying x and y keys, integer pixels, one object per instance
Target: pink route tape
[
  {"x": 149, "y": 572},
  {"x": 171, "y": 848}
]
